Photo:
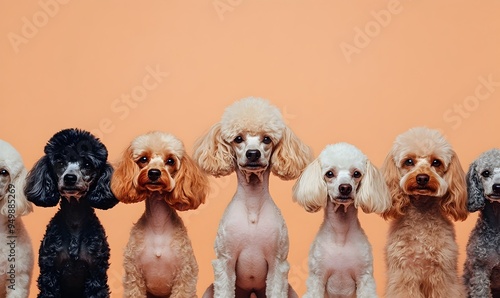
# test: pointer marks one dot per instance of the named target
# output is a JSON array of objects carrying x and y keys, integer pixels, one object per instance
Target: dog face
[
  {"x": 12, "y": 181},
  {"x": 483, "y": 180},
  {"x": 422, "y": 164},
  {"x": 74, "y": 166},
  {"x": 252, "y": 137},
  {"x": 345, "y": 176},
  {"x": 156, "y": 163}
]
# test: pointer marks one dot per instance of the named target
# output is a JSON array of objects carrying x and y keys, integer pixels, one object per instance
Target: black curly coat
[{"x": 74, "y": 253}]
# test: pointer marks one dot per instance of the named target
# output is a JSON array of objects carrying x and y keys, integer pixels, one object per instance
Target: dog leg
[
  {"x": 185, "y": 281},
  {"x": 277, "y": 279},
  {"x": 365, "y": 287},
  {"x": 225, "y": 278},
  {"x": 477, "y": 280},
  {"x": 315, "y": 287}
]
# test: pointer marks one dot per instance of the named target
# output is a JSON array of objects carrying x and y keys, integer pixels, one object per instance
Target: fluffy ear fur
[
  {"x": 41, "y": 187},
  {"x": 399, "y": 200},
  {"x": 310, "y": 190},
  {"x": 213, "y": 154},
  {"x": 22, "y": 205},
  {"x": 475, "y": 200},
  {"x": 290, "y": 156},
  {"x": 124, "y": 179},
  {"x": 191, "y": 186},
  {"x": 454, "y": 202},
  {"x": 101, "y": 196},
  {"x": 373, "y": 195}
]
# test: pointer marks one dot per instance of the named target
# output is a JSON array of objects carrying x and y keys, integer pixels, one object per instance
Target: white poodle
[
  {"x": 252, "y": 240},
  {"x": 341, "y": 180},
  {"x": 16, "y": 251}
]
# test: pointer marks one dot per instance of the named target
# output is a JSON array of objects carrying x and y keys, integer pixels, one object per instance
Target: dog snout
[
  {"x": 422, "y": 179},
  {"x": 154, "y": 174},
  {"x": 70, "y": 179},
  {"x": 253, "y": 155},
  {"x": 496, "y": 188},
  {"x": 345, "y": 189}
]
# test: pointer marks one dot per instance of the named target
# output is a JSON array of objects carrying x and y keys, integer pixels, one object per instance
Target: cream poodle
[
  {"x": 252, "y": 241},
  {"x": 16, "y": 251},
  {"x": 428, "y": 190},
  {"x": 159, "y": 259},
  {"x": 340, "y": 181}
]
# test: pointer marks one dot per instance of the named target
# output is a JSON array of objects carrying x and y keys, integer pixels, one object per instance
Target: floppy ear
[
  {"x": 101, "y": 196},
  {"x": 191, "y": 186},
  {"x": 454, "y": 202},
  {"x": 373, "y": 195},
  {"x": 310, "y": 190},
  {"x": 290, "y": 156},
  {"x": 475, "y": 190},
  {"x": 123, "y": 180},
  {"x": 399, "y": 200},
  {"x": 22, "y": 205},
  {"x": 41, "y": 188},
  {"x": 213, "y": 154}
]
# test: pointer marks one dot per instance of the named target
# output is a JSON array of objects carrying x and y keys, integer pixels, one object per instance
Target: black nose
[
  {"x": 253, "y": 155},
  {"x": 422, "y": 179},
  {"x": 70, "y": 179},
  {"x": 154, "y": 174},
  {"x": 345, "y": 189},
  {"x": 496, "y": 188}
]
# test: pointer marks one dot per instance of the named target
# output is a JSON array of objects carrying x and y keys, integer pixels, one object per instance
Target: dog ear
[
  {"x": 290, "y": 156},
  {"x": 101, "y": 196},
  {"x": 399, "y": 200},
  {"x": 123, "y": 179},
  {"x": 310, "y": 190},
  {"x": 41, "y": 188},
  {"x": 454, "y": 202},
  {"x": 191, "y": 186},
  {"x": 373, "y": 195},
  {"x": 475, "y": 190},
  {"x": 22, "y": 205},
  {"x": 213, "y": 154}
]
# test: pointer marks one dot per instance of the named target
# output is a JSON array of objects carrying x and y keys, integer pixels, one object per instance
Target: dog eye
[
  {"x": 87, "y": 165},
  {"x": 238, "y": 139},
  {"x": 356, "y": 174},
  {"x": 485, "y": 174},
  {"x": 409, "y": 162},
  {"x": 143, "y": 159},
  {"x": 170, "y": 162},
  {"x": 436, "y": 163},
  {"x": 329, "y": 174},
  {"x": 266, "y": 140},
  {"x": 4, "y": 172}
]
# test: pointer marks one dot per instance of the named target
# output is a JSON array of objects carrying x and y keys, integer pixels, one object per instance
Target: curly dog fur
[
  {"x": 74, "y": 252},
  {"x": 427, "y": 186},
  {"x": 159, "y": 260},
  {"x": 13, "y": 205},
  {"x": 482, "y": 264},
  {"x": 252, "y": 241},
  {"x": 341, "y": 180}
]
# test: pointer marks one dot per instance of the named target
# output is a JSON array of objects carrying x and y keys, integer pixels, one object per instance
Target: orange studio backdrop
[{"x": 360, "y": 72}]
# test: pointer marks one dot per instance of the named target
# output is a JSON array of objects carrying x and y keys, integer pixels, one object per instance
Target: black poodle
[{"x": 74, "y": 254}]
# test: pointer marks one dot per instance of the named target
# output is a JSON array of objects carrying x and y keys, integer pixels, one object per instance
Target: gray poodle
[{"x": 482, "y": 265}]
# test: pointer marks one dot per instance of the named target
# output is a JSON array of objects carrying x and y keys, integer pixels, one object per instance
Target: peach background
[{"x": 414, "y": 69}]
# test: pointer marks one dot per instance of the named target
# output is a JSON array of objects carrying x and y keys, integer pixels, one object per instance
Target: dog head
[
  {"x": 344, "y": 175},
  {"x": 252, "y": 137},
  {"x": 157, "y": 163},
  {"x": 74, "y": 167},
  {"x": 483, "y": 180},
  {"x": 12, "y": 179},
  {"x": 422, "y": 163}
]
